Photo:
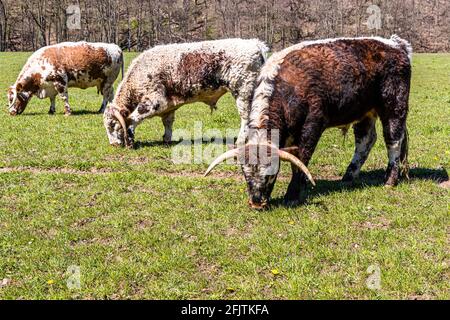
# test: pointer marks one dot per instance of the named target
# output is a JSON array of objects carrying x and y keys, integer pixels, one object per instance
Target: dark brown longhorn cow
[{"x": 316, "y": 85}]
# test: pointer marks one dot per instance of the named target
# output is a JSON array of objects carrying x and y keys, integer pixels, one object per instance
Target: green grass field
[{"x": 139, "y": 226}]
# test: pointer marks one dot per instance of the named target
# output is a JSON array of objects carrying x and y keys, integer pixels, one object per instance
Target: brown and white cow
[
  {"x": 166, "y": 77},
  {"x": 315, "y": 85},
  {"x": 51, "y": 70}
]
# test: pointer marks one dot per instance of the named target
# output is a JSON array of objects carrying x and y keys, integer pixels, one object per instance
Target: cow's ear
[{"x": 24, "y": 95}]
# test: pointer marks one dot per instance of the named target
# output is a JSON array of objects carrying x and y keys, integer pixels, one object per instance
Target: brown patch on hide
[
  {"x": 55, "y": 77},
  {"x": 198, "y": 72},
  {"x": 75, "y": 60},
  {"x": 30, "y": 84}
]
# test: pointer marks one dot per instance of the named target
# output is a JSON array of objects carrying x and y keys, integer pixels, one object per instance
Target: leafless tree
[{"x": 139, "y": 24}]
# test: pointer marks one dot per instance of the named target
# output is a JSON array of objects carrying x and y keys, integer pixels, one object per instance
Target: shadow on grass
[
  {"x": 74, "y": 113},
  {"x": 148, "y": 144},
  {"x": 84, "y": 112},
  {"x": 367, "y": 179}
]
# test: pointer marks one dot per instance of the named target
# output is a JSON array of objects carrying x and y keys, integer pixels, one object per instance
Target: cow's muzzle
[
  {"x": 15, "y": 112},
  {"x": 258, "y": 205}
]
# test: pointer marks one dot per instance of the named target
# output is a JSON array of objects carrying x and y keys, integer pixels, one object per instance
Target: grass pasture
[{"x": 139, "y": 226}]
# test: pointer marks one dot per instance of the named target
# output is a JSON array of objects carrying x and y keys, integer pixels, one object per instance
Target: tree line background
[{"x": 26, "y": 25}]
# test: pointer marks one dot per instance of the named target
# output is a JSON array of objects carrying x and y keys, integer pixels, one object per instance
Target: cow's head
[
  {"x": 17, "y": 99},
  {"x": 117, "y": 119},
  {"x": 260, "y": 165},
  {"x": 116, "y": 126}
]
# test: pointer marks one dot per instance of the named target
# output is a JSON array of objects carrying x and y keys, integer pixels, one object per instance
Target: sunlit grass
[{"x": 140, "y": 226}]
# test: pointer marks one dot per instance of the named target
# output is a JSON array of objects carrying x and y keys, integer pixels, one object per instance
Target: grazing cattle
[
  {"x": 166, "y": 77},
  {"x": 315, "y": 85},
  {"x": 52, "y": 69}
]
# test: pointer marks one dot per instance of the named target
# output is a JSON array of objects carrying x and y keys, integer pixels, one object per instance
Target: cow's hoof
[
  {"x": 51, "y": 112},
  {"x": 391, "y": 182},
  {"x": 167, "y": 140},
  {"x": 67, "y": 114}
]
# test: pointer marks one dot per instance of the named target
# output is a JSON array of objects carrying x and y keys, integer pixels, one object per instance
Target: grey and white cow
[
  {"x": 166, "y": 77},
  {"x": 51, "y": 70}
]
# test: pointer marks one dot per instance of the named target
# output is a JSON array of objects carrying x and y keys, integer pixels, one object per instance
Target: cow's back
[
  {"x": 75, "y": 59},
  {"x": 343, "y": 76}
]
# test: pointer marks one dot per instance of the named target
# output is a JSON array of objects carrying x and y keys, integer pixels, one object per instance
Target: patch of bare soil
[
  {"x": 55, "y": 170},
  {"x": 378, "y": 224}
]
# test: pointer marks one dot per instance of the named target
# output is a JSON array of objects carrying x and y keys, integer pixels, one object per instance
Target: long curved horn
[
  {"x": 119, "y": 117},
  {"x": 283, "y": 155},
  {"x": 296, "y": 161},
  {"x": 14, "y": 99},
  {"x": 227, "y": 155}
]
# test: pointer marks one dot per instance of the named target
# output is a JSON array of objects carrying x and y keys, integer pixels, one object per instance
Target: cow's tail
[
  {"x": 122, "y": 66},
  {"x": 404, "y": 155},
  {"x": 404, "y": 45}
]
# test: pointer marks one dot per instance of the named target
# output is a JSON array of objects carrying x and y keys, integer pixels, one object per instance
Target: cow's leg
[
  {"x": 310, "y": 135},
  {"x": 144, "y": 110},
  {"x": 404, "y": 155},
  {"x": 243, "y": 106},
  {"x": 365, "y": 137},
  {"x": 393, "y": 119},
  {"x": 103, "y": 106},
  {"x": 52, "y": 109},
  {"x": 67, "y": 109},
  {"x": 61, "y": 88},
  {"x": 394, "y": 131},
  {"x": 168, "y": 120},
  {"x": 108, "y": 96}
]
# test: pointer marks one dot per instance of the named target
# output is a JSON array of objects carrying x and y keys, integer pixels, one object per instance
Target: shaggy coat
[
  {"x": 165, "y": 77},
  {"x": 53, "y": 69},
  {"x": 316, "y": 85}
]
